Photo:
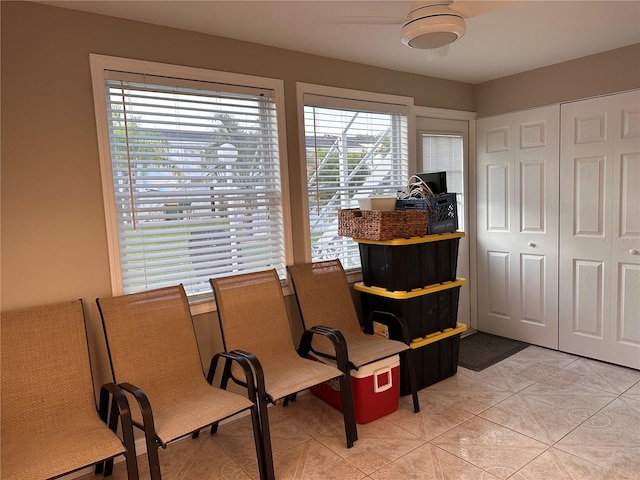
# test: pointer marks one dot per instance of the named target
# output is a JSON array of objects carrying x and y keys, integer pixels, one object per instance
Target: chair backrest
[
  {"x": 324, "y": 296},
  {"x": 46, "y": 374},
  {"x": 151, "y": 339},
  {"x": 253, "y": 316}
]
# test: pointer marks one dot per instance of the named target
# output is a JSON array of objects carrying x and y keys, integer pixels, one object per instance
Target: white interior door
[
  {"x": 600, "y": 229},
  {"x": 517, "y": 225}
]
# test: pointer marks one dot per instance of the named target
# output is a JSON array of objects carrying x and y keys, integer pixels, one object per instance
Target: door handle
[
  {"x": 633, "y": 251},
  {"x": 531, "y": 244}
]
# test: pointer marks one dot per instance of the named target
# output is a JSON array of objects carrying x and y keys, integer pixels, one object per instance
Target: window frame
[
  {"x": 99, "y": 65},
  {"x": 347, "y": 99}
]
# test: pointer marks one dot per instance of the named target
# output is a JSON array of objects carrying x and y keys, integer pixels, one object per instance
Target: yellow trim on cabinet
[
  {"x": 402, "y": 295},
  {"x": 437, "y": 336},
  {"x": 413, "y": 240}
]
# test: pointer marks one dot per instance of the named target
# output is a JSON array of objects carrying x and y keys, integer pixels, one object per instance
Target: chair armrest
[
  {"x": 336, "y": 338},
  {"x": 119, "y": 409},
  {"x": 148, "y": 424},
  {"x": 119, "y": 406},
  {"x": 406, "y": 338},
  {"x": 254, "y": 375}
]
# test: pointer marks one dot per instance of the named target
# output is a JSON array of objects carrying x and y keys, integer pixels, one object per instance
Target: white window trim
[
  {"x": 444, "y": 113},
  {"x": 100, "y": 63},
  {"x": 346, "y": 94}
]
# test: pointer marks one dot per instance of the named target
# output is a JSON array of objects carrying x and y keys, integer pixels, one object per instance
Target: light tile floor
[{"x": 538, "y": 415}]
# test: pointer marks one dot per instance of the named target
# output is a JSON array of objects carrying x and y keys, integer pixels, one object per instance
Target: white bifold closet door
[
  {"x": 517, "y": 225},
  {"x": 599, "y": 266}
]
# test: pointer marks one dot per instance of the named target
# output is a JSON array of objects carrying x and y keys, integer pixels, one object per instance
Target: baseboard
[{"x": 470, "y": 331}]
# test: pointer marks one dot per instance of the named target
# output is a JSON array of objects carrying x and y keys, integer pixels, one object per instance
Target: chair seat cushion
[
  {"x": 294, "y": 374},
  {"x": 363, "y": 348},
  {"x": 46, "y": 454},
  {"x": 189, "y": 407}
]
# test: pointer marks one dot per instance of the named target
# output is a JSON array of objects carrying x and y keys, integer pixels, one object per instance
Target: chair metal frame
[
  {"x": 406, "y": 355},
  {"x": 110, "y": 413},
  {"x": 153, "y": 442},
  {"x": 303, "y": 349}
]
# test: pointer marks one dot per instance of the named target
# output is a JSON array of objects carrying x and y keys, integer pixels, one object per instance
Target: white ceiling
[{"x": 512, "y": 37}]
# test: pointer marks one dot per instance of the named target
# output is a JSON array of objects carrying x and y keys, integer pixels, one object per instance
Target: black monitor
[{"x": 437, "y": 181}]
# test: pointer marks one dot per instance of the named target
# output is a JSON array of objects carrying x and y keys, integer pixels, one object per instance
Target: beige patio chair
[
  {"x": 154, "y": 356},
  {"x": 324, "y": 298},
  {"x": 50, "y": 423},
  {"x": 253, "y": 318}
]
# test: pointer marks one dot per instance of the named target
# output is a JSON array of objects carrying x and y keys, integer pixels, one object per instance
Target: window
[
  {"x": 192, "y": 174},
  {"x": 354, "y": 149},
  {"x": 444, "y": 153}
]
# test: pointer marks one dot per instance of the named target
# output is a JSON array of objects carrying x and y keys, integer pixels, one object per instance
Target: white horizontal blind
[
  {"x": 351, "y": 153},
  {"x": 196, "y": 178}
]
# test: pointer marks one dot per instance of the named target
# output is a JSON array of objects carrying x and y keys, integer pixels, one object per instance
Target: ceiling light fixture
[{"x": 432, "y": 26}]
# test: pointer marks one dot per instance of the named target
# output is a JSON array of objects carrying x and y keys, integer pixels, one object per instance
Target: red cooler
[{"x": 376, "y": 389}]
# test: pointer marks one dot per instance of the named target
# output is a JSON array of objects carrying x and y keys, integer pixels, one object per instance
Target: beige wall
[{"x": 604, "y": 73}]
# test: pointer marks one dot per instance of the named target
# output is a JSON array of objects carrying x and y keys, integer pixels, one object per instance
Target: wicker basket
[{"x": 381, "y": 225}]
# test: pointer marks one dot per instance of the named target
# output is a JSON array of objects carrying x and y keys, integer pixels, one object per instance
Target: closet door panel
[
  {"x": 499, "y": 284},
  {"x": 585, "y": 218},
  {"x": 629, "y": 304},
  {"x": 628, "y": 205},
  {"x": 533, "y": 205},
  {"x": 625, "y": 234},
  {"x": 589, "y": 197},
  {"x": 588, "y": 298},
  {"x": 497, "y": 187},
  {"x": 536, "y": 186},
  {"x": 600, "y": 229},
  {"x": 496, "y": 268},
  {"x": 532, "y": 288},
  {"x": 517, "y": 225}
]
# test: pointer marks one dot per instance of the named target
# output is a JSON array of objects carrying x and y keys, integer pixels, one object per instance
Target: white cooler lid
[{"x": 368, "y": 369}]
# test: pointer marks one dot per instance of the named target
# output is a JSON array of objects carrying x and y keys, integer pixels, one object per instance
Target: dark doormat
[{"x": 481, "y": 350}]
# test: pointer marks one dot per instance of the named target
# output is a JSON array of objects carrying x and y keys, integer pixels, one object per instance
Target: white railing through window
[{"x": 350, "y": 154}]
